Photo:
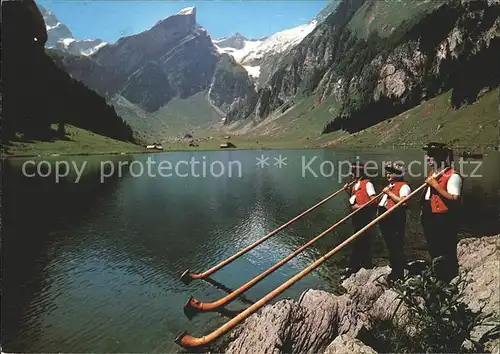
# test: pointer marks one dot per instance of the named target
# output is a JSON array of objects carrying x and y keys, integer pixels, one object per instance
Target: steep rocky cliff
[
  {"x": 306, "y": 62},
  {"x": 375, "y": 59},
  {"x": 330, "y": 6},
  {"x": 173, "y": 59},
  {"x": 231, "y": 89}
]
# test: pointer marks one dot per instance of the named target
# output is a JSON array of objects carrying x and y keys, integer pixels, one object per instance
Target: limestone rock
[
  {"x": 479, "y": 260},
  {"x": 345, "y": 344},
  {"x": 323, "y": 322},
  {"x": 304, "y": 326}
]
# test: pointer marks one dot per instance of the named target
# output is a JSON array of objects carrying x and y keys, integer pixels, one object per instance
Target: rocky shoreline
[{"x": 323, "y": 322}]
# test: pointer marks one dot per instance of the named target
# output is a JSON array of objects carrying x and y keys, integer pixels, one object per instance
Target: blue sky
[{"x": 112, "y": 19}]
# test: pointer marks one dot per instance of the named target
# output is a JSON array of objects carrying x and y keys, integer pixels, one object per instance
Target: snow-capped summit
[
  {"x": 187, "y": 11},
  {"x": 249, "y": 52},
  {"x": 60, "y": 37}
]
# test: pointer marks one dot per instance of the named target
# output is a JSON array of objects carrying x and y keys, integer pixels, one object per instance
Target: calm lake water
[{"x": 95, "y": 267}]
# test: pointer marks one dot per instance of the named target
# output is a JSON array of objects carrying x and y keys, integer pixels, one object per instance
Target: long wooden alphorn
[
  {"x": 186, "y": 340},
  {"x": 194, "y": 305},
  {"x": 187, "y": 276}
]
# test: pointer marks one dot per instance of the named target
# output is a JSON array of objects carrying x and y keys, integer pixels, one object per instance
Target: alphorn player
[
  {"x": 361, "y": 192},
  {"x": 393, "y": 226},
  {"x": 439, "y": 204}
]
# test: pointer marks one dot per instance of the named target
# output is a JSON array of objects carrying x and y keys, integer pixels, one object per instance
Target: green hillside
[
  {"x": 76, "y": 142},
  {"x": 180, "y": 116},
  {"x": 194, "y": 112},
  {"x": 475, "y": 126},
  {"x": 386, "y": 15}
]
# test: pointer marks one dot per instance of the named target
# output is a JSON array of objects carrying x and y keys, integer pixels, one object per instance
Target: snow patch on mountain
[
  {"x": 67, "y": 41},
  {"x": 253, "y": 71},
  {"x": 187, "y": 11},
  {"x": 60, "y": 37},
  {"x": 239, "y": 55},
  {"x": 49, "y": 27},
  {"x": 252, "y": 51}
]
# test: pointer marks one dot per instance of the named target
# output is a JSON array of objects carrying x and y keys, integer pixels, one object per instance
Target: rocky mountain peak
[
  {"x": 236, "y": 41},
  {"x": 185, "y": 19},
  {"x": 239, "y": 35},
  {"x": 188, "y": 11}
]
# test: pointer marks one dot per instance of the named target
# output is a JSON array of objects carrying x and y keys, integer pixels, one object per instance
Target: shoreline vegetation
[
  {"x": 431, "y": 120},
  {"x": 367, "y": 315}
]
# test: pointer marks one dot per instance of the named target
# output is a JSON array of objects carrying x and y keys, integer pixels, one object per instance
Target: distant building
[{"x": 227, "y": 145}]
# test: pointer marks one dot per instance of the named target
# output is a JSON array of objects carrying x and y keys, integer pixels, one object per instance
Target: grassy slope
[
  {"x": 192, "y": 113},
  {"x": 385, "y": 15},
  {"x": 175, "y": 119},
  {"x": 473, "y": 126},
  {"x": 304, "y": 119},
  {"x": 143, "y": 123},
  {"x": 79, "y": 141}
]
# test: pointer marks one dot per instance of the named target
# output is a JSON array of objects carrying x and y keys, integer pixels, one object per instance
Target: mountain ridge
[
  {"x": 372, "y": 60},
  {"x": 253, "y": 54},
  {"x": 174, "y": 59},
  {"x": 363, "y": 62},
  {"x": 61, "y": 38}
]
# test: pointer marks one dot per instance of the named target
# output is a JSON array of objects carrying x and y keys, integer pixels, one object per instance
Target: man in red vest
[
  {"x": 393, "y": 226},
  {"x": 361, "y": 193},
  {"x": 439, "y": 205}
]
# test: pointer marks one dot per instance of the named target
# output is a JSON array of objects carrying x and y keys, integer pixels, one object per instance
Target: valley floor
[{"x": 475, "y": 127}]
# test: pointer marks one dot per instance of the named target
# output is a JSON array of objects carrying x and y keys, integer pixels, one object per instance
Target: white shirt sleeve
[
  {"x": 428, "y": 193},
  {"x": 352, "y": 200},
  {"x": 383, "y": 200},
  {"x": 454, "y": 185},
  {"x": 404, "y": 191},
  {"x": 370, "y": 190}
]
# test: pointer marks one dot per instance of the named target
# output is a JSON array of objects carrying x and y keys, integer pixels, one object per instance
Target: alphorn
[
  {"x": 187, "y": 276},
  {"x": 187, "y": 340},
  {"x": 194, "y": 305}
]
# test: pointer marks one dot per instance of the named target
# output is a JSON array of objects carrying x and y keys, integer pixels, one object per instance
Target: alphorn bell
[
  {"x": 194, "y": 305},
  {"x": 186, "y": 340},
  {"x": 187, "y": 276}
]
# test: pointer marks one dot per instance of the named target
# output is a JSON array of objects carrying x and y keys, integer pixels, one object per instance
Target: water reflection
[{"x": 94, "y": 267}]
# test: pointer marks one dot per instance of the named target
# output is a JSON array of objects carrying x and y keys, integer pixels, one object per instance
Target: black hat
[
  {"x": 395, "y": 168},
  {"x": 436, "y": 146}
]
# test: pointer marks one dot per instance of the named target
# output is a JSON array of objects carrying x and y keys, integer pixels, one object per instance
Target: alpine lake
[{"x": 92, "y": 259}]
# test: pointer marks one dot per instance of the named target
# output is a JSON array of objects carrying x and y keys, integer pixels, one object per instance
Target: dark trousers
[
  {"x": 440, "y": 231},
  {"x": 393, "y": 228},
  {"x": 361, "y": 256}
]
